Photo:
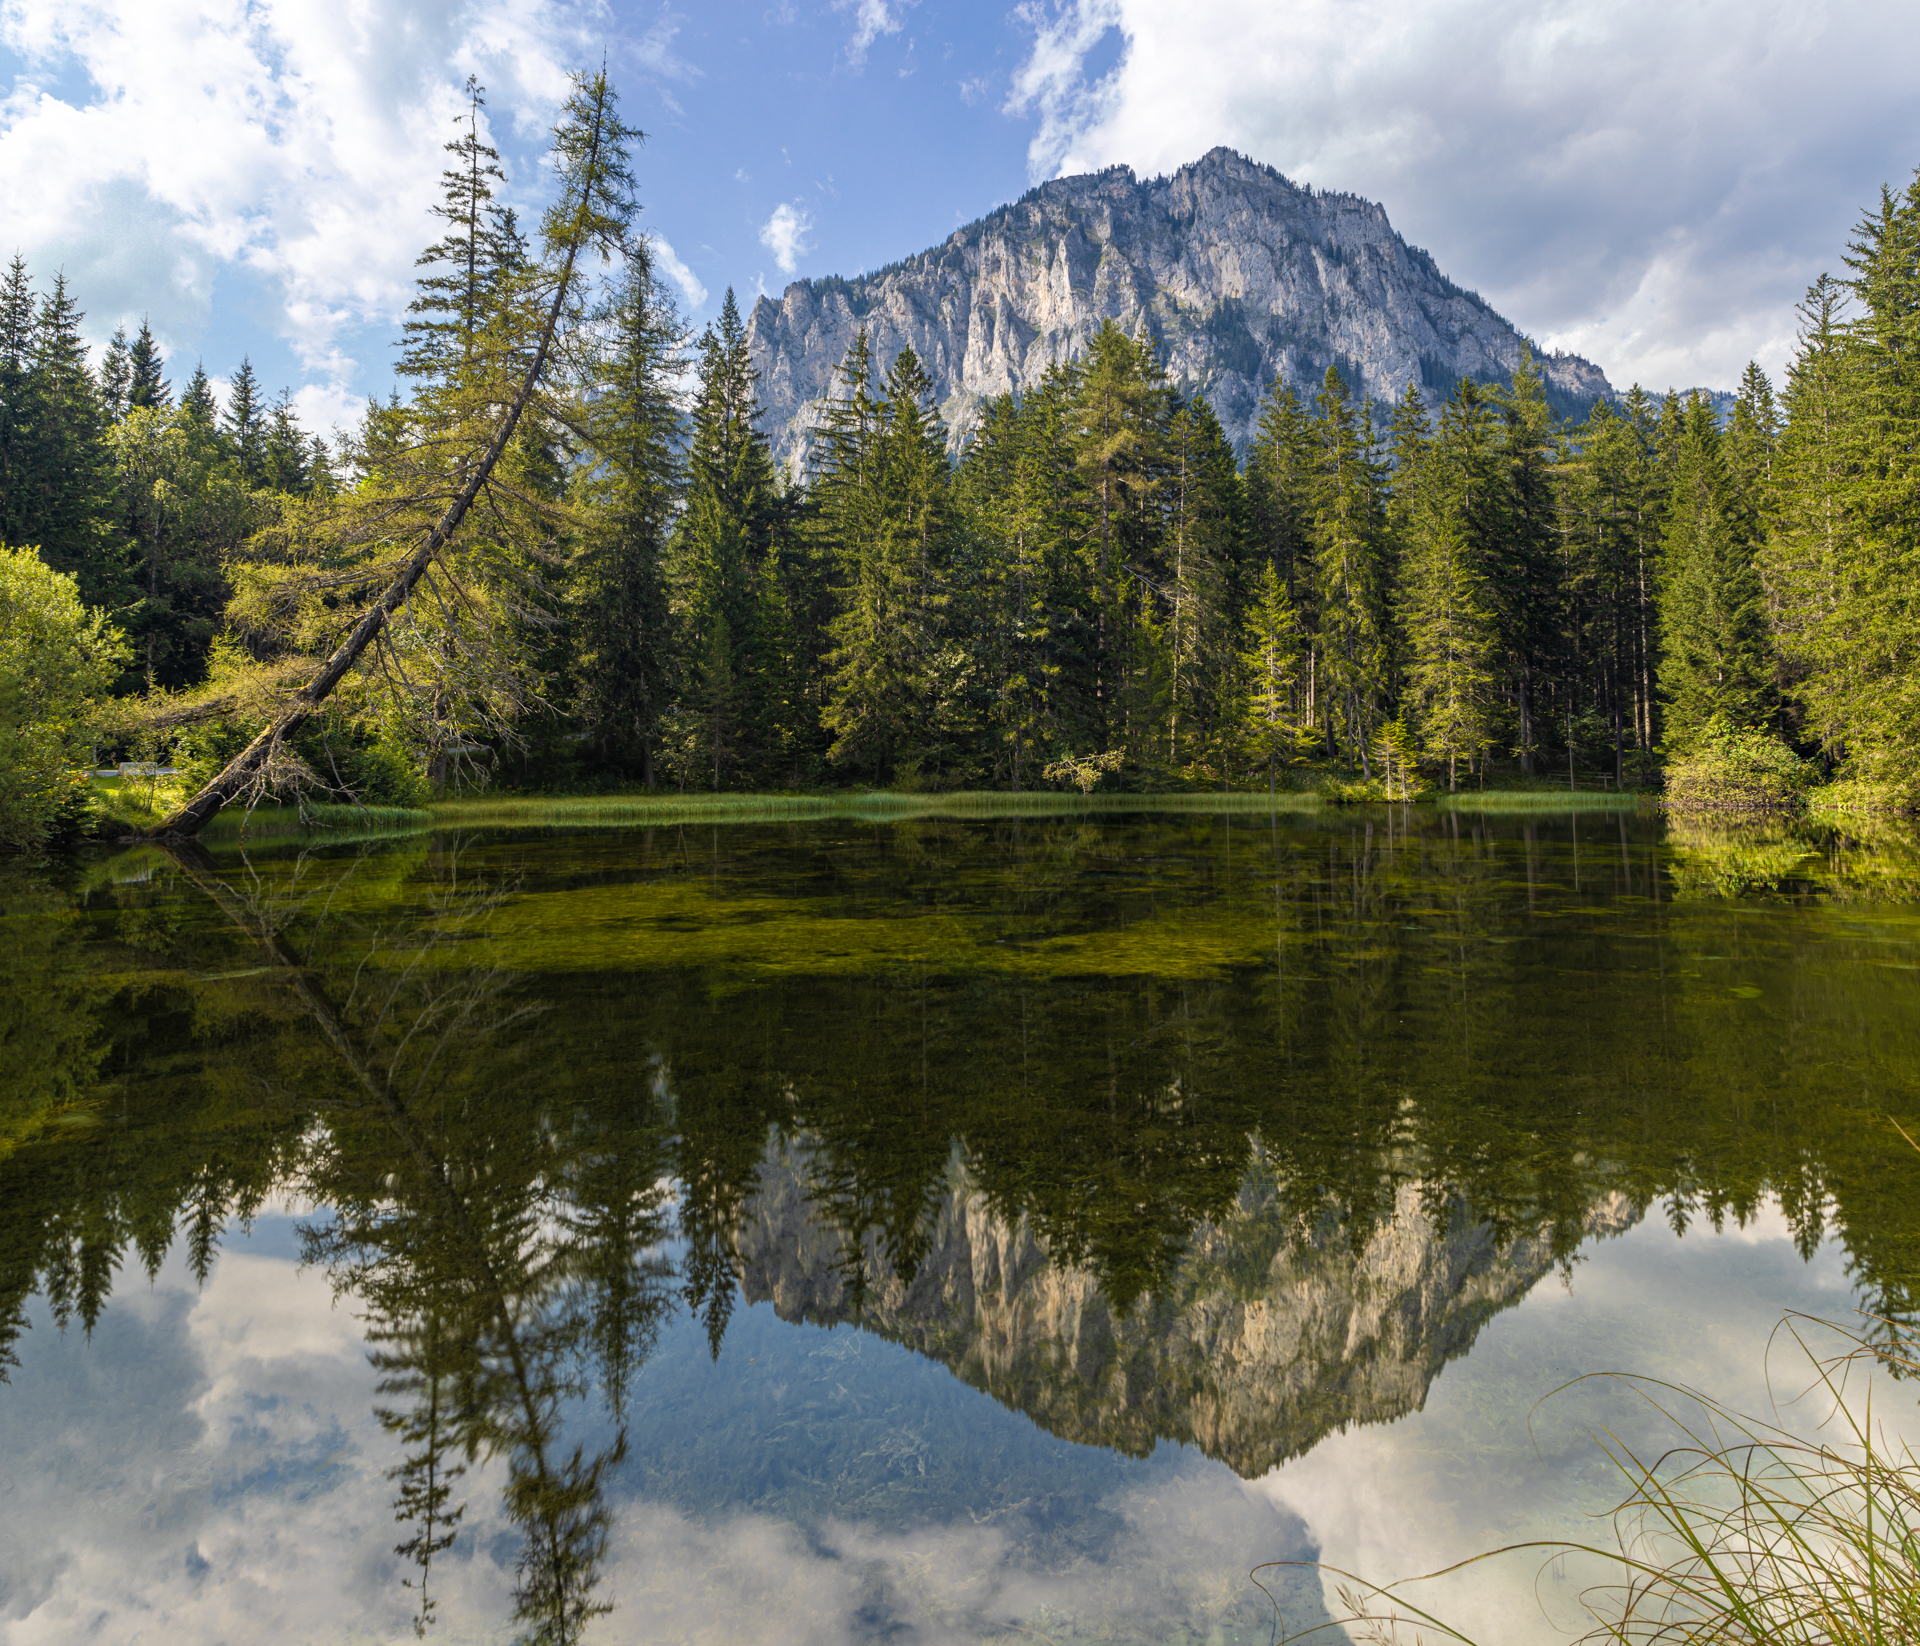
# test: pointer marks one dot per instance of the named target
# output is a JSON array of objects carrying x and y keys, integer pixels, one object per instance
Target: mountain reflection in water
[{"x": 1212, "y": 1130}]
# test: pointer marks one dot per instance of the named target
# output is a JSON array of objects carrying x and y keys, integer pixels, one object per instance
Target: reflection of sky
[{"x": 208, "y": 1467}]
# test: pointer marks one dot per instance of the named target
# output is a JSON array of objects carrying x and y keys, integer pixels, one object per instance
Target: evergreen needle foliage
[{"x": 564, "y": 553}]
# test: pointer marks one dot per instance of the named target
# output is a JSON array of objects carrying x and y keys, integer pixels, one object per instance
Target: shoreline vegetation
[
  {"x": 561, "y": 557},
  {"x": 125, "y": 808}
]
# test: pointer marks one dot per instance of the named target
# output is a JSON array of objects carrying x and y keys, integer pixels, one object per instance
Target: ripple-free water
[{"x": 923, "y": 1231}]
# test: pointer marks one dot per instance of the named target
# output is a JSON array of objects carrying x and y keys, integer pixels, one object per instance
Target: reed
[
  {"x": 1539, "y": 800},
  {"x": 1741, "y": 1532}
]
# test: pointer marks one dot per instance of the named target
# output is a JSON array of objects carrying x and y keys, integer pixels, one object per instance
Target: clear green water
[{"x": 936, "y": 1229}]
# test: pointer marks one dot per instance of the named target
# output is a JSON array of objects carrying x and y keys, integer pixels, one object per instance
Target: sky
[{"x": 1650, "y": 183}]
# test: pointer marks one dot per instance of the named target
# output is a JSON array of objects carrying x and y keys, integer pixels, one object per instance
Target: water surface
[{"x": 940, "y": 1230}]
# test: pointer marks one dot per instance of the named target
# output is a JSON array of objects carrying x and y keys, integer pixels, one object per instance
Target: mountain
[
  {"x": 1239, "y": 274},
  {"x": 1259, "y": 1345}
]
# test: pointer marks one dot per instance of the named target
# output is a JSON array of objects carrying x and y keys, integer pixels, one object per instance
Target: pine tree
[{"x": 146, "y": 383}]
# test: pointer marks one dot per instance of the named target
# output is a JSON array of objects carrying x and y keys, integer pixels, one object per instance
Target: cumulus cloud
[
  {"x": 690, "y": 284},
  {"x": 1651, "y": 185},
  {"x": 785, "y": 235},
  {"x": 298, "y": 143}
]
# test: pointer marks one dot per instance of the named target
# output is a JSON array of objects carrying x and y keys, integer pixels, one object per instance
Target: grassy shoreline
[{"x": 126, "y": 809}]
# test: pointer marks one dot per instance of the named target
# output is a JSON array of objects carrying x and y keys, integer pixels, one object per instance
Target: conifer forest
[{"x": 620, "y": 589}]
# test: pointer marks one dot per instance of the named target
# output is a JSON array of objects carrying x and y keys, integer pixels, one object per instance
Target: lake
[{"x": 946, "y": 1229}]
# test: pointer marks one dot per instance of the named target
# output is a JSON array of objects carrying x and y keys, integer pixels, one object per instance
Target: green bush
[
  {"x": 57, "y": 663},
  {"x": 1733, "y": 769}
]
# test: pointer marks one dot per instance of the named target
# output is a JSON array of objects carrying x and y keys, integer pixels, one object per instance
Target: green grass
[
  {"x": 1539, "y": 800},
  {"x": 634, "y": 810}
]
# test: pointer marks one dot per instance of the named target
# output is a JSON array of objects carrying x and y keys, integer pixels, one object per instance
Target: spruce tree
[
  {"x": 890, "y": 632},
  {"x": 22, "y": 416},
  {"x": 245, "y": 425},
  {"x": 1119, "y": 416},
  {"x": 1717, "y": 660},
  {"x": 1348, "y": 526},
  {"x": 1205, "y": 530},
  {"x": 626, "y": 660},
  {"x": 116, "y": 374},
  {"x": 1529, "y": 581},
  {"x": 724, "y": 536},
  {"x": 197, "y": 401},
  {"x": 77, "y": 525},
  {"x": 1455, "y": 501},
  {"x": 147, "y": 385},
  {"x": 1269, "y": 660}
]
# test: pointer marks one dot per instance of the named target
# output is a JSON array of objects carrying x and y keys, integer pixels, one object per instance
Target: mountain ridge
[{"x": 1239, "y": 274}]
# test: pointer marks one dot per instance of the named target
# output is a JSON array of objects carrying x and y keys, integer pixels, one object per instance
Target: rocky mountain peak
[{"x": 1239, "y": 274}]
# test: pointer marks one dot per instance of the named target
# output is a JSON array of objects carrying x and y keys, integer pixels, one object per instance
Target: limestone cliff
[
  {"x": 1239, "y": 274},
  {"x": 1261, "y": 1346}
]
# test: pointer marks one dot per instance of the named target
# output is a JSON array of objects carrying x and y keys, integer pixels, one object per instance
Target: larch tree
[{"x": 341, "y": 580}]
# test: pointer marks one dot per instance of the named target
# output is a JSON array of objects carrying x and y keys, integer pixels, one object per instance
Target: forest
[{"x": 596, "y": 578}]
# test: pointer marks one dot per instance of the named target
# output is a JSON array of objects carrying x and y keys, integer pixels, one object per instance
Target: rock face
[
  {"x": 1240, "y": 275},
  {"x": 1260, "y": 1346}
]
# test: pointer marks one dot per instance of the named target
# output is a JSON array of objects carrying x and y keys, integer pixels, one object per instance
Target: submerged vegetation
[{"x": 486, "y": 1053}]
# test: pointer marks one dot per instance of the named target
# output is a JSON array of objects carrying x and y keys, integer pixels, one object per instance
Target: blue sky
[{"x": 1650, "y": 184}]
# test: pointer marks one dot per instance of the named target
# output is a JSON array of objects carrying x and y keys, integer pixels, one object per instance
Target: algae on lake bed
[{"x": 1098, "y": 1113}]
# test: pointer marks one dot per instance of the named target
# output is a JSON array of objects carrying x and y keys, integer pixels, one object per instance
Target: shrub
[
  {"x": 1732, "y": 769},
  {"x": 57, "y": 662}
]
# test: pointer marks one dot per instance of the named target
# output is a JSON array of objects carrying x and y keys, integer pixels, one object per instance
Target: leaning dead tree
[{"x": 499, "y": 381}]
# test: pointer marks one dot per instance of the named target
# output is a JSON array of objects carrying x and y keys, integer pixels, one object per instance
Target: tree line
[{"x": 1098, "y": 588}]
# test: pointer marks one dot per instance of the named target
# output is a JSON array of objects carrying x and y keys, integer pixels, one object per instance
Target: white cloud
[
  {"x": 689, "y": 283},
  {"x": 871, "y": 19},
  {"x": 298, "y": 143},
  {"x": 785, "y": 235},
  {"x": 1652, "y": 185}
]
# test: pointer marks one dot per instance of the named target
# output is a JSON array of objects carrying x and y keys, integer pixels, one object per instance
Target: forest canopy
[{"x": 1098, "y": 589}]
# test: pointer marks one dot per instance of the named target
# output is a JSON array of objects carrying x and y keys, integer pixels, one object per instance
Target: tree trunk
[{"x": 246, "y": 766}]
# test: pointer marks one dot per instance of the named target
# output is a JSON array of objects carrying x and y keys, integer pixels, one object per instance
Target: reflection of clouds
[
  {"x": 1484, "y": 1465},
  {"x": 1176, "y": 1569},
  {"x": 209, "y": 1468}
]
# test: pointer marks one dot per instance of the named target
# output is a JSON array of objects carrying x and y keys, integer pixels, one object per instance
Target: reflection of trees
[
  {"x": 1487, "y": 1014},
  {"x": 507, "y": 1265}
]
